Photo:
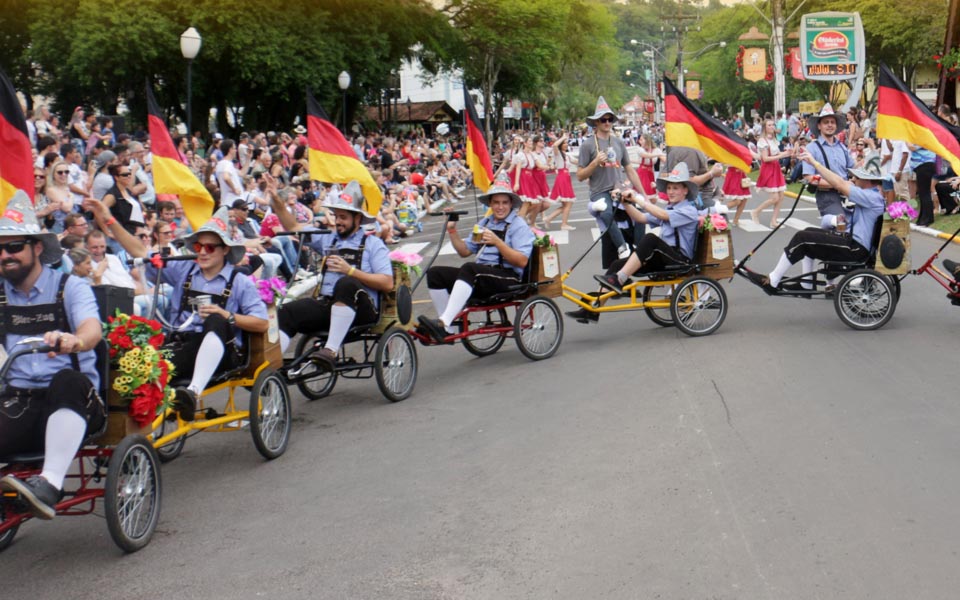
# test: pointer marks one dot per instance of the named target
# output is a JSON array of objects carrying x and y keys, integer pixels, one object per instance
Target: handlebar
[
  {"x": 304, "y": 231},
  {"x": 455, "y": 213},
  {"x": 157, "y": 260},
  {"x": 30, "y": 348}
]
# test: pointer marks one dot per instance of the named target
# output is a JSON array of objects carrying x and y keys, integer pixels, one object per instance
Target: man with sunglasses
[
  {"x": 211, "y": 302},
  {"x": 50, "y": 401}
]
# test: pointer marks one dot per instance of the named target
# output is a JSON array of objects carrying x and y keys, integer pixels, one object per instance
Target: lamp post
[
  {"x": 190, "y": 42},
  {"x": 651, "y": 53},
  {"x": 343, "y": 80},
  {"x": 409, "y": 114},
  {"x": 695, "y": 54}
]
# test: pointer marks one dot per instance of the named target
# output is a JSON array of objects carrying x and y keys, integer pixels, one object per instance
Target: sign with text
[
  {"x": 796, "y": 64},
  {"x": 754, "y": 64},
  {"x": 831, "y": 46},
  {"x": 693, "y": 89}
]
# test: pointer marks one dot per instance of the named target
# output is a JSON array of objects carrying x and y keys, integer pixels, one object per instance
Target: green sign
[{"x": 832, "y": 45}]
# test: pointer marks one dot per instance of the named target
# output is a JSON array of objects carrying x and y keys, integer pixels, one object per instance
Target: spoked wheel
[
  {"x": 865, "y": 300},
  {"x": 698, "y": 306},
  {"x": 6, "y": 538},
  {"x": 319, "y": 382},
  {"x": 395, "y": 364},
  {"x": 131, "y": 495},
  {"x": 484, "y": 344},
  {"x": 538, "y": 328},
  {"x": 170, "y": 450},
  {"x": 270, "y": 415},
  {"x": 660, "y": 297}
]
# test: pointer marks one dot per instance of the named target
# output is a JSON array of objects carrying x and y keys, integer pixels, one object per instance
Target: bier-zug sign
[{"x": 833, "y": 45}]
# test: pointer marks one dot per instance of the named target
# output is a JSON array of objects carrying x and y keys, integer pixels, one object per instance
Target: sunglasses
[
  {"x": 143, "y": 236},
  {"x": 208, "y": 248},
  {"x": 127, "y": 174},
  {"x": 38, "y": 176},
  {"x": 62, "y": 172},
  {"x": 15, "y": 247},
  {"x": 606, "y": 120}
]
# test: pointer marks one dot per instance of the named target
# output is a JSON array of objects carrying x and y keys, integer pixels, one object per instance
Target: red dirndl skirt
[
  {"x": 771, "y": 177},
  {"x": 562, "y": 186},
  {"x": 733, "y": 185},
  {"x": 529, "y": 188},
  {"x": 648, "y": 179}
]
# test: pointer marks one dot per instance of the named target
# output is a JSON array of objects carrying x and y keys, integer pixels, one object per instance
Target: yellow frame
[{"x": 630, "y": 289}]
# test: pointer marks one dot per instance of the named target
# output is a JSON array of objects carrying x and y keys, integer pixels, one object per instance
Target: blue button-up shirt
[
  {"x": 36, "y": 370},
  {"x": 518, "y": 236},
  {"x": 868, "y": 207},
  {"x": 375, "y": 259},
  {"x": 837, "y": 156},
  {"x": 244, "y": 298},
  {"x": 683, "y": 222}
]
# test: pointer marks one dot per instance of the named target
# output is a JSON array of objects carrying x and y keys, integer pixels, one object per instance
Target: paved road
[{"x": 784, "y": 457}]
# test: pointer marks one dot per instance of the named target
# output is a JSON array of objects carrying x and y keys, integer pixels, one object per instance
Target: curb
[{"x": 928, "y": 231}]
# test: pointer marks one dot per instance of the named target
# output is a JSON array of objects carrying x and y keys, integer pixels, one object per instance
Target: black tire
[
  {"x": 538, "y": 328},
  {"x": 698, "y": 306},
  {"x": 171, "y": 450},
  {"x": 6, "y": 538},
  {"x": 395, "y": 364},
  {"x": 484, "y": 345},
  {"x": 895, "y": 284},
  {"x": 865, "y": 300},
  {"x": 132, "y": 493},
  {"x": 657, "y": 293},
  {"x": 320, "y": 385},
  {"x": 270, "y": 415}
]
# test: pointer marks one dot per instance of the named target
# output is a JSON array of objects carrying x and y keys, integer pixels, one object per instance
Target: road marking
[
  {"x": 797, "y": 223},
  {"x": 749, "y": 225},
  {"x": 447, "y": 249},
  {"x": 413, "y": 247}
]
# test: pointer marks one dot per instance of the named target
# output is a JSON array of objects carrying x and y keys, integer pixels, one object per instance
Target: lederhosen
[
  {"x": 655, "y": 254},
  {"x": 486, "y": 280},
  {"x": 829, "y": 202},
  {"x": 309, "y": 315},
  {"x": 185, "y": 344},
  {"x": 827, "y": 245},
  {"x": 24, "y": 411}
]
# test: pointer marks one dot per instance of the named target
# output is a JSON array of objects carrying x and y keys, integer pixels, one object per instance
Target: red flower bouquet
[{"x": 142, "y": 369}]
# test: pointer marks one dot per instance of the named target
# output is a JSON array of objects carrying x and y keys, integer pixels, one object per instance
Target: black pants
[
  {"x": 825, "y": 245},
  {"x": 632, "y": 234},
  {"x": 24, "y": 413},
  {"x": 655, "y": 255},
  {"x": 924, "y": 173},
  {"x": 185, "y": 347},
  {"x": 313, "y": 316},
  {"x": 945, "y": 193},
  {"x": 486, "y": 280}
]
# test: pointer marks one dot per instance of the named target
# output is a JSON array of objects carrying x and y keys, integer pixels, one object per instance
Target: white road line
[
  {"x": 798, "y": 223},
  {"x": 413, "y": 246},
  {"x": 447, "y": 249},
  {"x": 748, "y": 225}
]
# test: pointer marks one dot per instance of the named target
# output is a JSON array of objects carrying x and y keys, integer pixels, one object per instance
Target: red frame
[{"x": 426, "y": 340}]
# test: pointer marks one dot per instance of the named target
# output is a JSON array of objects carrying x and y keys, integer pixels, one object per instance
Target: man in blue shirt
[
  {"x": 356, "y": 270},
  {"x": 502, "y": 254},
  {"x": 49, "y": 401},
  {"x": 845, "y": 237},
  {"x": 827, "y": 149},
  {"x": 212, "y": 302},
  {"x": 678, "y": 230}
]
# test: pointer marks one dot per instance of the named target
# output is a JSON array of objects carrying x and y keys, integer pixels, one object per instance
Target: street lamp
[
  {"x": 343, "y": 80},
  {"x": 694, "y": 54},
  {"x": 190, "y": 42},
  {"x": 652, "y": 55},
  {"x": 409, "y": 105}
]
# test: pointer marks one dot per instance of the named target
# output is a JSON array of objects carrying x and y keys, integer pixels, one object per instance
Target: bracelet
[
  {"x": 350, "y": 272},
  {"x": 79, "y": 343},
  {"x": 110, "y": 221}
]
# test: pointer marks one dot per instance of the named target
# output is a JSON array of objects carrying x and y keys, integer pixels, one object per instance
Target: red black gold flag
[
  {"x": 688, "y": 126},
  {"x": 903, "y": 116},
  {"x": 170, "y": 175},
  {"x": 333, "y": 160},
  {"x": 478, "y": 157},
  {"x": 16, "y": 158}
]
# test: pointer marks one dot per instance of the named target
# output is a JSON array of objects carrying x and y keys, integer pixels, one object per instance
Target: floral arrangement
[
  {"x": 271, "y": 290},
  {"x": 143, "y": 371},
  {"x": 901, "y": 211},
  {"x": 406, "y": 262},
  {"x": 543, "y": 239},
  {"x": 713, "y": 222},
  {"x": 949, "y": 61}
]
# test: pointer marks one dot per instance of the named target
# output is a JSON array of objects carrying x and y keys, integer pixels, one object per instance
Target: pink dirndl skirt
[
  {"x": 529, "y": 188},
  {"x": 563, "y": 187},
  {"x": 771, "y": 177},
  {"x": 733, "y": 185},
  {"x": 648, "y": 180}
]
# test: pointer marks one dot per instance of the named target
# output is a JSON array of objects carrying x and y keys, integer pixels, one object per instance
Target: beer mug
[
  {"x": 478, "y": 235},
  {"x": 611, "y": 155}
]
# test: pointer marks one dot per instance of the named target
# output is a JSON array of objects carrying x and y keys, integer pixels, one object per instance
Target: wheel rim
[
  {"x": 313, "y": 381},
  {"x": 398, "y": 364},
  {"x": 865, "y": 300},
  {"x": 136, "y": 493},
  {"x": 273, "y": 416},
  {"x": 483, "y": 343},
  {"x": 539, "y": 327},
  {"x": 700, "y": 306},
  {"x": 658, "y": 294}
]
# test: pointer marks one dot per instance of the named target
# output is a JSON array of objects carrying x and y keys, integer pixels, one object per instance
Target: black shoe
[
  {"x": 583, "y": 315},
  {"x": 39, "y": 494},
  {"x": 761, "y": 280},
  {"x": 185, "y": 403},
  {"x": 610, "y": 282},
  {"x": 951, "y": 266},
  {"x": 434, "y": 328}
]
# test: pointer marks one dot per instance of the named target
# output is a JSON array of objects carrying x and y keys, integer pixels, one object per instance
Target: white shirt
[
  {"x": 115, "y": 274},
  {"x": 78, "y": 178},
  {"x": 227, "y": 172}
]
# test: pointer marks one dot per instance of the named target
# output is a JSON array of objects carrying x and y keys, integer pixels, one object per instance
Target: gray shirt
[
  {"x": 608, "y": 174},
  {"x": 697, "y": 163}
]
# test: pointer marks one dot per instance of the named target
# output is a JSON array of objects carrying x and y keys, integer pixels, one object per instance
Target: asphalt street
[{"x": 784, "y": 457}]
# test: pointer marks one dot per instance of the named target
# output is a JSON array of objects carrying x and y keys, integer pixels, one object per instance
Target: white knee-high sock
[
  {"x": 284, "y": 341},
  {"x": 458, "y": 299},
  {"x": 208, "y": 357},
  {"x": 341, "y": 318},
  {"x": 808, "y": 268},
  {"x": 440, "y": 299},
  {"x": 65, "y": 431},
  {"x": 780, "y": 270}
]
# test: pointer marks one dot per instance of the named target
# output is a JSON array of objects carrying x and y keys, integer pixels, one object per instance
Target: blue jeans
[
  {"x": 289, "y": 251},
  {"x": 605, "y": 219}
]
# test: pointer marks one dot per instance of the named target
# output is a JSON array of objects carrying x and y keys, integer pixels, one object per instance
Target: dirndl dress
[
  {"x": 771, "y": 178},
  {"x": 563, "y": 187},
  {"x": 733, "y": 185},
  {"x": 529, "y": 188},
  {"x": 647, "y": 176}
]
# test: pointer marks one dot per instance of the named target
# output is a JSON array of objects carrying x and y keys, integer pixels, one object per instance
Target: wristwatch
[{"x": 232, "y": 319}]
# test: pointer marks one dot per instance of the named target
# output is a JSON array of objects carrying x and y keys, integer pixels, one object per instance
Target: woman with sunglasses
[
  {"x": 212, "y": 302},
  {"x": 120, "y": 199},
  {"x": 59, "y": 199}
]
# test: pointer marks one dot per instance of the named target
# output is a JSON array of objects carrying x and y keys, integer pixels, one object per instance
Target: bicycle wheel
[
  {"x": 488, "y": 343},
  {"x": 318, "y": 382},
  {"x": 131, "y": 494},
  {"x": 698, "y": 306},
  {"x": 538, "y": 328},
  {"x": 270, "y": 415},
  {"x": 659, "y": 297},
  {"x": 864, "y": 300},
  {"x": 395, "y": 364}
]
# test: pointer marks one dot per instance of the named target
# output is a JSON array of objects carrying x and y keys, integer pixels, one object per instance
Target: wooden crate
[
  {"x": 265, "y": 346},
  {"x": 388, "y": 302},
  {"x": 546, "y": 267},
  {"x": 119, "y": 424},
  {"x": 715, "y": 247},
  {"x": 900, "y": 229}
]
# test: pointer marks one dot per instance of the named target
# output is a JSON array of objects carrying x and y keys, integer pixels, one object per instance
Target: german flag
[
  {"x": 170, "y": 175},
  {"x": 16, "y": 159},
  {"x": 903, "y": 116},
  {"x": 333, "y": 160},
  {"x": 688, "y": 126},
  {"x": 478, "y": 157}
]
